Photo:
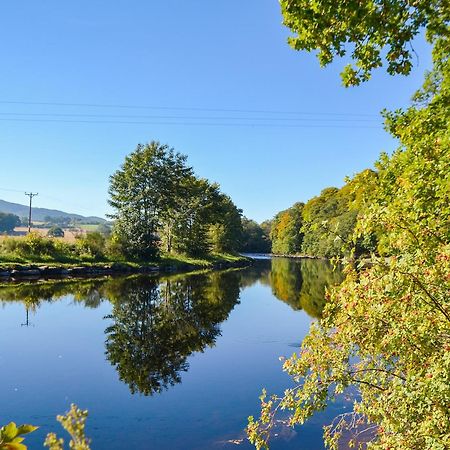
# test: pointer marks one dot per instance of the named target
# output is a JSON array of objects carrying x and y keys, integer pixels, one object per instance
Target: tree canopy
[
  {"x": 160, "y": 204},
  {"x": 8, "y": 222},
  {"x": 374, "y": 32}
]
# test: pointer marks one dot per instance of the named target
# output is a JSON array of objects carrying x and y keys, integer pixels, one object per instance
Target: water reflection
[
  {"x": 155, "y": 324},
  {"x": 301, "y": 283}
]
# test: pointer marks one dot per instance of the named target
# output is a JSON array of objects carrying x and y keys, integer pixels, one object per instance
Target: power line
[
  {"x": 181, "y": 108},
  {"x": 134, "y": 116},
  {"x": 207, "y": 124},
  {"x": 10, "y": 190}
]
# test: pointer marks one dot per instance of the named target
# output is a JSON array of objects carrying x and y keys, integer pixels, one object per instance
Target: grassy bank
[
  {"x": 91, "y": 250},
  {"x": 165, "y": 262}
]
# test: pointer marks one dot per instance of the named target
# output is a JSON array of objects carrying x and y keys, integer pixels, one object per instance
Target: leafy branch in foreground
[
  {"x": 73, "y": 422},
  {"x": 11, "y": 436}
]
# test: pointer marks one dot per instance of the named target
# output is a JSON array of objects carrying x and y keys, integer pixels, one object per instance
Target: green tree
[
  {"x": 143, "y": 193},
  {"x": 8, "y": 222},
  {"x": 286, "y": 230},
  {"x": 329, "y": 219},
  {"x": 225, "y": 234},
  {"x": 55, "y": 231},
  {"x": 254, "y": 238},
  {"x": 376, "y": 30}
]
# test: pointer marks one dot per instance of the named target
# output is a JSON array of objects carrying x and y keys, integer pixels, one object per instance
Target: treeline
[{"x": 324, "y": 226}]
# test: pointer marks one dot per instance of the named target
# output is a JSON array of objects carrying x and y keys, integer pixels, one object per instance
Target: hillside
[{"x": 39, "y": 214}]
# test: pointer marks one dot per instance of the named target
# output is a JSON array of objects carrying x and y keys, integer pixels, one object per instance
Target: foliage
[
  {"x": 8, "y": 222},
  {"x": 285, "y": 233},
  {"x": 92, "y": 244},
  {"x": 188, "y": 231},
  {"x": 141, "y": 192},
  {"x": 225, "y": 234},
  {"x": 55, "y": 231},
  {"x": 35, "y": 245},
  {"x": 74, "y": 423},
  {"x": 377, "y": 30},
  {"x": 11, "y": 436},
  {"x": 330, "y": 219},
  {"x": 386, "y": 329},
  {"x": 254, "y": 238},
  {"x": 159, "y": 202}
]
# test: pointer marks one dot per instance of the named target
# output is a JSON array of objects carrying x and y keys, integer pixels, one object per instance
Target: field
[{"x": 70, "y": 234}]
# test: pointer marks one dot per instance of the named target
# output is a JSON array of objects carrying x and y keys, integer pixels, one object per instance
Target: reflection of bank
[
  {"x": 302, "y": 283},
  {"x": 157, "y": 323}
]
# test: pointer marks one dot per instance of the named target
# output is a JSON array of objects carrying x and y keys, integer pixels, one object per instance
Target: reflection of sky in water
[{"x": 61, "y": 359}]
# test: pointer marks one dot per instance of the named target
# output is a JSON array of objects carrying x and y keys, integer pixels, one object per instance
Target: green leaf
[
  {"x": 14, "y": 446},
  {"x": 25, "y": 429},
  {"x": 9, "y": 432}
]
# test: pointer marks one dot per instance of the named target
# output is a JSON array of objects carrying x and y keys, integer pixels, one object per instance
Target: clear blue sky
[{"x": 199, "y": 57}]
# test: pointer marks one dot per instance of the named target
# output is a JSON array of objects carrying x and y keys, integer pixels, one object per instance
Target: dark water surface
[{"x": 174, "y": 362}]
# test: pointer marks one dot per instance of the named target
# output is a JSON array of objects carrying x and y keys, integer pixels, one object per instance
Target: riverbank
[
  {"x": 13, "y": 271},
  {"x": 275, "y": 255}
]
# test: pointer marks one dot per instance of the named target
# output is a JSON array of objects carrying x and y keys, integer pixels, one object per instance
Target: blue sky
[{"x": 162, "y": 63}]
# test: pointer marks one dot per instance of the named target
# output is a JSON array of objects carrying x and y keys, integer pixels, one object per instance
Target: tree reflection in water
[
  {"x": 301, "y": 283},
  {"x": 157, "y": 323}
]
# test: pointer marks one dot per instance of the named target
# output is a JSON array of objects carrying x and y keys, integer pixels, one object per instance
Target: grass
[
  {"x": 88, "y": 227},
  {"x": 177, "y": 261},
  {"x": 35, "y": 249}
]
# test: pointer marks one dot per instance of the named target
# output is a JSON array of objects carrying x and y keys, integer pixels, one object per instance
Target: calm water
[{"x": 161, "y": 363}]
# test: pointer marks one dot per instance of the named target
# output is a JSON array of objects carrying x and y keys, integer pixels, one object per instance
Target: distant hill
[{"x": 39, "y": 214}]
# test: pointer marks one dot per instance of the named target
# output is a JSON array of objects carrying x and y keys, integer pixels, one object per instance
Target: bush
[
  {"x": 55, "y": 232},
  {"x": 35, "y": 246},
  {"x": 91, "y": 244}
]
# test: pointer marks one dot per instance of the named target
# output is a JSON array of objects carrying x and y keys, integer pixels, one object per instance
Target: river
[{"x": 171, "y": 362}]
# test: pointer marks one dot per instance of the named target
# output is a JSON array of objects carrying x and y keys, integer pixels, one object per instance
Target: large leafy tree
[
  {"x": 144, "y": 192},
  {"x": 254, "y": 238},
  {"x": 386, "y": 330},
  {"x": 160, "y": 204},
  {"x": 329, "y": 219},
  {"x": 225, "y": 234}
]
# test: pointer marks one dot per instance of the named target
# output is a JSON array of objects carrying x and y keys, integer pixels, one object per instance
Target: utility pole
[{"x": 31, "y": 195}]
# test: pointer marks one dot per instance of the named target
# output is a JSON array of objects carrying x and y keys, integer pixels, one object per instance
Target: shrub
[
  {"x": 55, "y": 231},
  {"x": 33, "y": 245},
  {"x": 91, "y": 244}
]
